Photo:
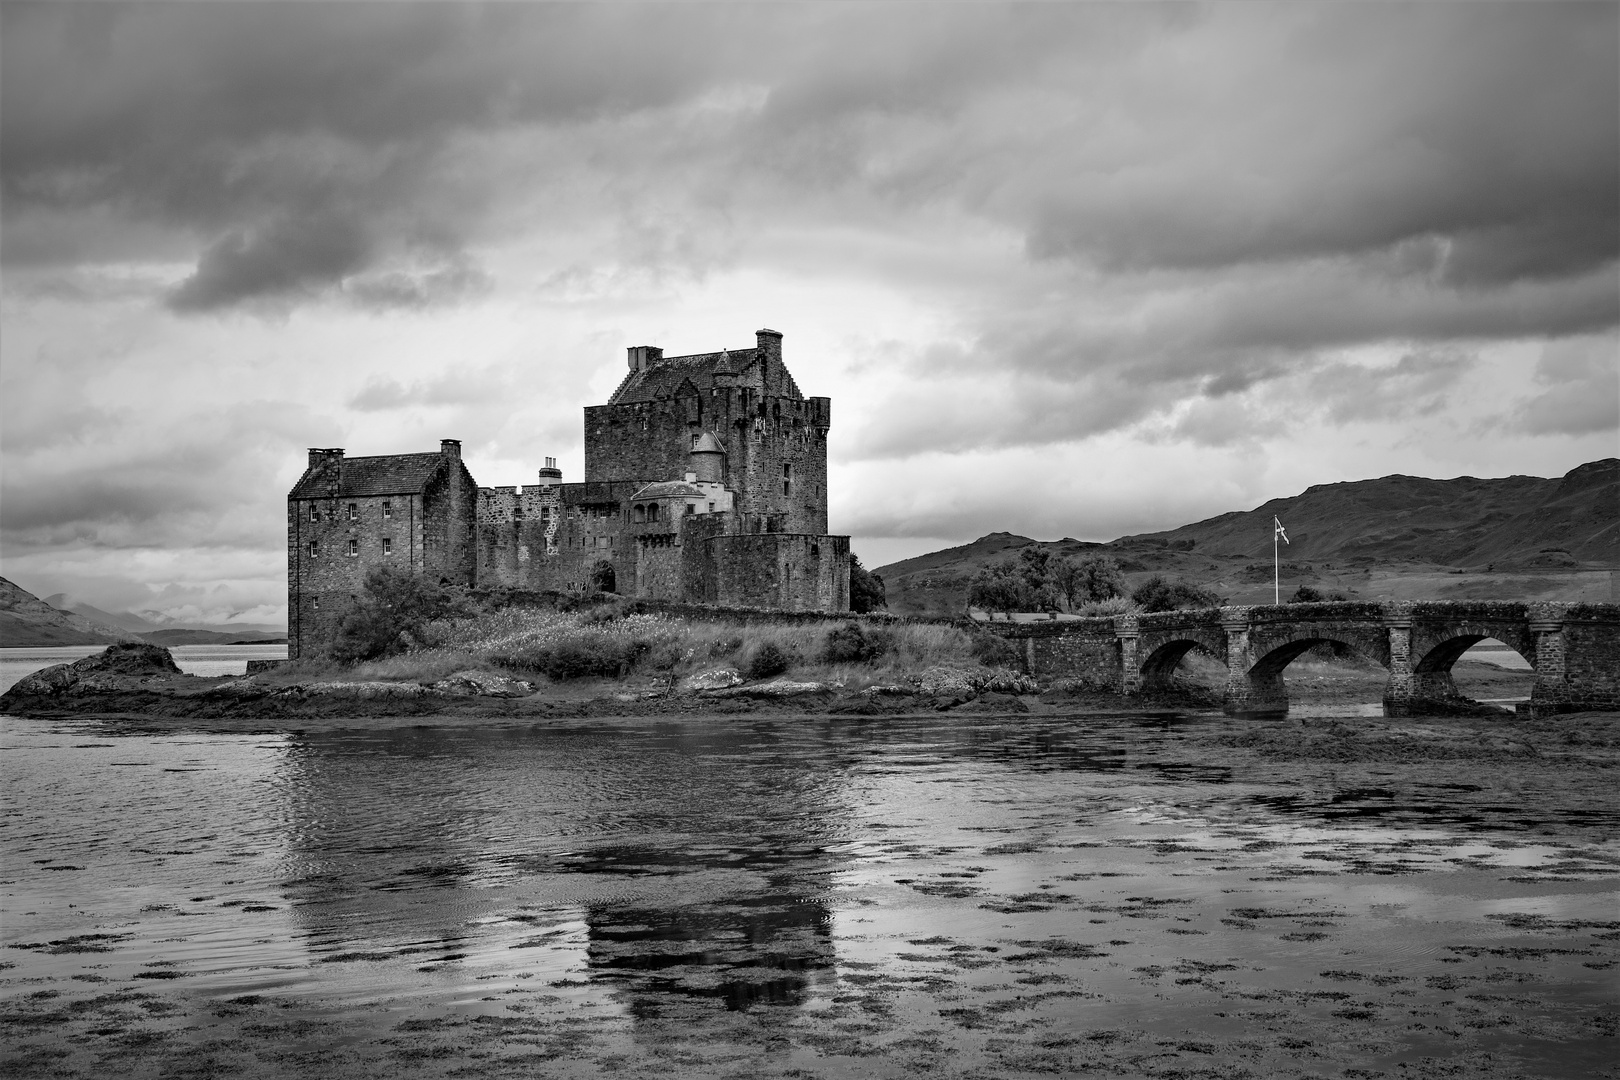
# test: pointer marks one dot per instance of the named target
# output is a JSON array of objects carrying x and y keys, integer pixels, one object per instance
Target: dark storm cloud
[
  {"x": 1211, "y": 199},
  {"x": 284, "y": 258}
]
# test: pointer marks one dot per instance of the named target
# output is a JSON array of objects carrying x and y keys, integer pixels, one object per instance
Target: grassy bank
[{"x": 610, "y": 643}]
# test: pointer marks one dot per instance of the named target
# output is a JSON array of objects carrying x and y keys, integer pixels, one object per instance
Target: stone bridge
[{"x": 1573, "y": 648}]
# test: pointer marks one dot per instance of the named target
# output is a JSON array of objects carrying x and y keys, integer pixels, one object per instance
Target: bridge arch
[
  {"x": 1259, "y": 687},
  {"x": 1158, "y": 667}
]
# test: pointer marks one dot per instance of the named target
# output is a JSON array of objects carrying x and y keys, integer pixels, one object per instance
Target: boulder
[
  {"x": 125, "y": 666},
  {"x": 473, "y": 683},
  {"x": 718, "y": 679}
]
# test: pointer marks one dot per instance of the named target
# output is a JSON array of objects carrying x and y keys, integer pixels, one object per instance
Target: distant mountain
[
  {"x": 169, "y": 638},
  {"x": 26, "y": 621},
  {"x": 1504, "y": 536},
  {"x": 152, "y": 622}
]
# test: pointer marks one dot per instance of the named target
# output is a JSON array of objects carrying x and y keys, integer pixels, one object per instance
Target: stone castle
[{"x": 705, "y": 482}]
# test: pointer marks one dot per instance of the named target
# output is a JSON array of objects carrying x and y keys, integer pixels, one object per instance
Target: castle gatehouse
[{"x": 705, "y": 482}]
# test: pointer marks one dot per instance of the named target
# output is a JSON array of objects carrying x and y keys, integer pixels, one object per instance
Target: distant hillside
[
  {"x": 26, "y": 621},
  {"x": 169, "y": 638},
  {"x": 1519, "y": 537},
  {"x": 1517, "y": 521}
]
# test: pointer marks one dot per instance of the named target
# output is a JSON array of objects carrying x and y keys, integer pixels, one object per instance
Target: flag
[{"x": 1280, "y": 532}]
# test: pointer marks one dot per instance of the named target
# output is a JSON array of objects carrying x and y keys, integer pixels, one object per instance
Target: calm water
[
  {"x": 192, "y": 659},
  {"x": 703, "y": 868}
]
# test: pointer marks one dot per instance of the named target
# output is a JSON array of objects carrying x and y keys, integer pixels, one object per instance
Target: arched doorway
[{"x": 604, "y": 578}]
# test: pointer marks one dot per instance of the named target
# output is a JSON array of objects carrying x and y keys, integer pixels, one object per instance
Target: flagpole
[{"x": 1276, "y": 565}]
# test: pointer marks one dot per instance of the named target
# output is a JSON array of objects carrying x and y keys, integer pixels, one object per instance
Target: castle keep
[{"x": 705, "y": 482}]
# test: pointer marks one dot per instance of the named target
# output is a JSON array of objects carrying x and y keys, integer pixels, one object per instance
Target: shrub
[
  {"x": 1307, "y": 595},
  {"x": 992, "y": 650},
  {"x": 765, "y": 660},
  {"x": 1159, "y": 593},
  {"x": 866, "y": 589},
  {"x": 1114, "y": 605},
  {"x": 852, "y": 643},
  {"x": 392, "y": 614},
  {"x": 584, "y": 655}
]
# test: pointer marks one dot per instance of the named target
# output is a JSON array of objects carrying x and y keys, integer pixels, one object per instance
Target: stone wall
[{"x": 791, "y": 571}]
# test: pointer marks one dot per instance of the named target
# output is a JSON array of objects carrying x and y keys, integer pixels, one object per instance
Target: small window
[
  {"x": 787, "y": 478},
  {"x": 388, "y": 546},
  {"x": 354, "y": 547},
  {"x": 314, "y": 512},
  {"x": 691, "y": 508},
  {"x": 711, "y": 506},
  {"x": 641, "y": 513},
  {"x": 354, "y": 512},
  {"x": 652, "y": 511},
  {"x": 388, "y": 509},
  {"x": 314, "y": 549}
]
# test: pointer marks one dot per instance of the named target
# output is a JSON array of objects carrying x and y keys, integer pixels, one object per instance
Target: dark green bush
[
  {"x": 853, "y": 643},
  {"x": 391, "y": 615},
  {"x": 994, "y": 651},
  {"x": 584, "y": 656},
  {"x": 866, "y": 589},
  {"x": 766, "y": 660},
  {"x": 1159, "y": 593}
]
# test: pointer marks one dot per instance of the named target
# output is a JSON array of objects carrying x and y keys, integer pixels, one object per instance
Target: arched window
[{"x": 641, "y": 513}]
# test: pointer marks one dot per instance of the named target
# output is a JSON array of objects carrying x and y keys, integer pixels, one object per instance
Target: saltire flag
[{"x": 1280, "y": 532}]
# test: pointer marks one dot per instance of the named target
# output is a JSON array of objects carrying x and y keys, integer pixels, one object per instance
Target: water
[
  {"x": 192, "y": 659},
  {"x": 845, "y": 897}
]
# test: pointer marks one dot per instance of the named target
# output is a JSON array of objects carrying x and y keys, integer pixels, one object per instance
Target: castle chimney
[
  {"x": 643, "y": 357},
  {"x": 550, "y": 476},
  {"x": 319, "y": 456},
  {"x": 769, "y": 344},
  {"x": 450, "y": 448}
]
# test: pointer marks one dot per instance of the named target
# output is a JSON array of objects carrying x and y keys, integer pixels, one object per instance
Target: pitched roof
[
  {"x": 664, "y": 377},
  {"x": 390, "y": 474},
  {"x": 669, "y": 489}
]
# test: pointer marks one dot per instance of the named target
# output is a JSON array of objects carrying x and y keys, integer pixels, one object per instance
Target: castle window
[
  {"x": 354, "y": 512},
  {"x": 711, "y": 506},
  {"x": 787, "y": 477},
  {"x": 388, "y": 509},
  {"x": 388, "y": 546},
  {"x": 691, "y": 508},
  {"x": 354, "y": 547},
  {"x": 314, "y": 512},
  {"x": 652, "y": 511},
  {"x": 641, "y": 513},
  {"x": 314, "y": 549}
]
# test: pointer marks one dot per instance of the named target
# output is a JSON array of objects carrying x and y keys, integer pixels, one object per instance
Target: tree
[
  {"x": 866, "y": 589},
  {"x": 394, "y": 609},
  {"x": 1003, "y": 587},
  {"x": 1086, "y": 579},
  {"x": 1159, "y": 593}
]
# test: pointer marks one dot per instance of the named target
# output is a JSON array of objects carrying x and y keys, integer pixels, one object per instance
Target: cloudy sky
[{"x": 1065, "y": 269}]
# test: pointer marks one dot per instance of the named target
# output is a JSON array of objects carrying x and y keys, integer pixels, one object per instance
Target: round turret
[{"x": 709, "y": 459}]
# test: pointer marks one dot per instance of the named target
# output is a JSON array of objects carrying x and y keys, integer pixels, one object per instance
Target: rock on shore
[{"x": 125, "y": 666}]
